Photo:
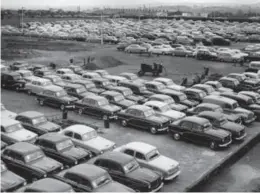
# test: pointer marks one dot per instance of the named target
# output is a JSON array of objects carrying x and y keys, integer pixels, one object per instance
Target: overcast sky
[{"x": 112, "y": 3}]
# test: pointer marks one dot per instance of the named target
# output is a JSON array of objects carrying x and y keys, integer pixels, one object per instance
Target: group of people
[{"x": 197, "y": 79}]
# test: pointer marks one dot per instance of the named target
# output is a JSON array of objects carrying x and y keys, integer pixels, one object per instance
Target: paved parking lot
[{"x": 195, "y": 161}]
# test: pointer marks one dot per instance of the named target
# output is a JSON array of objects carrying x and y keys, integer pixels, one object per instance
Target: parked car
[
  {"x": 229, "y": 57},
  {"x": 18, "y": 65},
  {"x": 249, "y": 85},
  {"x": 12, "y": 80},
  {"x": 229, "y": 82},
  {"x": 62, "y": 149},
  {"x": 97, "y": 106},
  {"x": 70, "y": 78},
  {"x": 101, "y": 72},
  {"x": 63, "y": 71},
  {"x": 26, "y": 75},
  {"x": 135, "y": 48},
  {"x": 182, "y": 52},
  {"x": 251, "y": 75},
  {"x": 149, "y": 157},
  {"x": 29, "y": 161},
  {"x": 160, "y": 49},
  {"x": 209, "y": 90},
  {"x": 88, "y": 139},
  {"x": 117, "y": 99},
  {"x": 218, "y": 86},
  {"x": 200, "y": 130},
  {"x": 213, "y": 108},
  {"x": 220, "y": 41},
  {"x": 169, "y": 84},
  {"x": 163, "y": 109},
  {"x": 57, "y": 97},
  {"x": 95, "y": 180},
  {"x": 42, "y": 72},
  {"x": 254, "y": 95},
  {"x": 56, "y": 80},
  {"x": 90, "y": 75},
  {"x": 195, "y": 95},
  {"x": 219, "y": 121},
  {"x": 137, "y": 88},
  {"x": 239, "y": 76},
  {"x": 132, "y": 77},
  {"x": 102, "y": 83},
  {"x": 169, "y": 101},
  {"x": 46, "y": 185},
  {"x": 121, "y": 46},
  {"x": 90, "y": 86},
  {"x": 36, "y": 86},
  {"x": 36, "y": 122},
  {"x": 206, "y": 55},
  {"x": 12, "y": 131},
  {"x": 3, "y": 145},
  {"x": 76, "y": 69},
  {"x": 77, "y": 90},
  {"x": 231, "y": 106},
  {"x": 129, "y": 95},
  {"x": 126, "y": 170},
  {"x": 114, "y": 79},
  {"x": 9, "y": 180},
  {"x": 143, "y": 117},
  {"x": 7, "y": 113}
]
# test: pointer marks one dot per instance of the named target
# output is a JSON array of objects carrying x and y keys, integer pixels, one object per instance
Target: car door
[
  {"x": 141, "y": 159},
  {"x": 197, "y": 134},
  {"x": 78, "y": 184},
  {"x": 27, "y": 124},
  {"x": 186, "y": 127}
]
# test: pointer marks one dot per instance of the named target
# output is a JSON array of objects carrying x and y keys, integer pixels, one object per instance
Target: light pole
[
  {"x": 101, "y": 28},
  {"x": 22, "y": 20}
]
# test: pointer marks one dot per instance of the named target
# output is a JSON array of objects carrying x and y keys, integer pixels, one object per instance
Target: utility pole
[{"x": 102, "y": 28}]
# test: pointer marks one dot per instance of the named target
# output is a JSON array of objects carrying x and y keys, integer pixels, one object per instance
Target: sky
[{"x": 111, "y": 3}]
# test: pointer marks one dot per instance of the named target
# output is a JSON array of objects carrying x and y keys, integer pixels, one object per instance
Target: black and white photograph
[{"x": 130, "y": 96}]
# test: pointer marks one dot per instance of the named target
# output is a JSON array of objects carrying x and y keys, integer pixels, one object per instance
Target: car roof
[
  {"x": 111, "y": 93},
  {"x": 202, "y": 85},
  {"x": 211, "y": 114},
  {"x": 97, "y": 98},
  {"x": 118, "y": 157},
  {"x": 162, "y": 96},
  {"x": 23, "y": 147},
  {"x": 115, "y": 77},
  {"x": 209, "y": 105},
  {"x": 155, "y": 103},
  {"x": 250, "y": 93},
  {"x": 194, "y": 90},
  {"x": 54, "y": 137},
  {"x": 72, "y": 85},
  {"x": 242, "y": 96},
  {"x": 228, "y": 78},
  {"x": 212, "y": 82},
  {"x": 154, "y": 83},
  {"x": 121, "y": 88},
  {"x": 5, "y": 122},
  {"x": 49, "y": 185},
  {"x": 99, "y": 79},
  {"x": 100, "y": 70},
  {"x": 195, "y": 119},
  {"x": 129, "y": 82},
  {"x": 139, "y": 107},
  {"x": 84, "y": 81},
  {"x": 12, "y": 73},
  {"x": 64, "y": 69},
  {"x": 54, "y": 88},
  {"x": 23, "y": 71},
  {"x": 142, "y": 147},
  {"x": 80, "y": 129},
  {"x": 30, "y": 114},
  {"x": 164, "y": 79},
  {"x": 88, "y": 171},
  {"x": 215, "y": 97},
  {"x": 252, "y": 81}
]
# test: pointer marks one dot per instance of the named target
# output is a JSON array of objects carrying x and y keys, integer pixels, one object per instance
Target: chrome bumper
[
  {"x": 158, "y": 188},
  {"x": 225, "y": 145},
  {"x": 172, "y": 176},
  {"x": 163, "y": 129},
  {"x": 250, "y": 120},
  {"x": 242, "y": 137}
]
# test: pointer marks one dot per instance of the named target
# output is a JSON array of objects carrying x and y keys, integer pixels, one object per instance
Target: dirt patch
[
  {"x": 109, "y": 61},
  {"x": 10, "y": 54}
]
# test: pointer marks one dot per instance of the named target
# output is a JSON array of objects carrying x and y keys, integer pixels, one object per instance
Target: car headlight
[
  {"x": 68, "y": 102},
  {"x": 114, "y": 146},
  {"x": 25, "y": 183},
  {"x": 149, "y": 186},
  {"x": 101, "y": 152},
  {"x": 76, "y": 162},
  {"x": 62, "y": 167},
  {"x": 45, "y": 175}
]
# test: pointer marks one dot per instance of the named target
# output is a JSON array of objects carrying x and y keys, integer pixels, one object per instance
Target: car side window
[
  {"x": 68, "y": 133},
  {"x": 46, "y": 144},
  {"x": 102, "y": 163},
  {"x": 129, "y": 152},
  {"x": 156, "y": 108},
  {"x": 196, "y": 127},
  {"x": 139, "y": 156},
  {"x": 114, "y": 166},
  {"x": 186, "y": 125},
  {"x": 2, "y": 129},
  {"x": 77, "y": 136}
]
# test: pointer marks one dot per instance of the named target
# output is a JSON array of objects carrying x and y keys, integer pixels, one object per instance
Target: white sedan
[
  {"x": 149, "y": 157},
  {"x": 252, "y": 75},
  {"x": 162, "y": 49},
  {"x": 170, "y": 84}
]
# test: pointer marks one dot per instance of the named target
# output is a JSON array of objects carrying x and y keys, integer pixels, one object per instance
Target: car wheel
[
  {"x": 41, "y": 102},
  {"x": 80, "y": 111},
  {"x": 29, "y": 92},
  {"x": 62, "y": 107},
  {"x": 153, "y": 130},
  {"x": 177, "y": 136},
  {"x": 124, "y": 123},
  {"x": 212, "y": 145},
  {"x": 105, "y": 117}
]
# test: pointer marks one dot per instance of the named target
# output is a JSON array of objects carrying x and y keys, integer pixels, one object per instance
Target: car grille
[
  {"x": 241, "y": 133},
  {"x": 227, "y": 139},
  {"x": 238, "y": 121},
  {"x": 156, "y": 183},
  {"x": 250, "y": 116}
]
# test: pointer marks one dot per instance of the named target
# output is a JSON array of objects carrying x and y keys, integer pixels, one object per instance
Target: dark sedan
[
  {"x": 200, "y": 130},
  {"x": 76, "y": 90},
  {"x": 90, "y": 178},
  {"x": 126, "y": 170},
  {"x": 89, "y": 85},
  {"x": 143, "y": 117},
  {"x": 219, "y": 121},
  {"x": 195, "y": 95},
  {"x": 29, "y": 161},
  {"x": 62, "y": 149}
]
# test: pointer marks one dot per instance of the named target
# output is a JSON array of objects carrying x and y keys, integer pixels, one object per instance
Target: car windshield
[
  {"x": 81, "y": 90},
  {"x": 104, "y": 179},
  {"x": 27, "y": 74},
  {"x": 223, "y": 121},
  {"x": 149, "y": 112},
  {"x": 33, "y": 156},
  {"x": 13, "y": 128},
  {"x": 207, "y": 126},
  {"x": 3, "y": 168},
  {"x": 250, "y": 101},
  {"x": 161, "y": 87},
  {"x": 103, "y": 102},
  {"x": 131, "y": 166},
  {"x": 169, "y": 83},
  {"x": 182, "y": 97},
  {"x": 118, "y": 97},
  {"x": 64, "y": 145},
  {"x": 165, "y": 108},
  {"x": 202, "y": 94},
  {"x": 235, "y": 105},
  {"x": 127, "y": 92},
  {"x": 153, "y": 154},
  {"x": 39, "y": 120},
  {"x": 89, "y": 135},
  {"x": 61, "y": 93},
  {"x": 169, "y": 101}
]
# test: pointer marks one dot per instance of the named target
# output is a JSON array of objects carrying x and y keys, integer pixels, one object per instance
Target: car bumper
[
  {"x": 241, "y": 137},
  {"x": 158, "y": 188},
  {"x": 113, "y": 117},
  {"x": 163, "y": 129},
  {"x": 248, "y": 121},
  {"x": 172, "y": 176},
  {"x": 225, "y": 144}
]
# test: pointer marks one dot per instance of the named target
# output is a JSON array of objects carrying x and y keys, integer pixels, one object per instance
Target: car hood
[
  {"x": 48, "y": 126},
  {"x": 232, "y": 126},
  {"x": 168, "y": 163},
  {"x": 8, "y": 114},
  {"x": 254, "y": 106},
  {"x": 111, "y": 108},
  {"x": 68, "y": 98},
  {"x": 176, "y": 87},
  {"x": 243, "y": 111},
  {"x": 143, "y": 174},
  {"x": 190, "y": 103},
  {"x": 46, "y": 164},
  {"x": 99, "y": 143},
  {"x": 76, "y": 153},
  {"x": 217, "y": 133},
  {"x": 113, "y": 187},
  {"x": 158, "y": 119},
  {"x": 96, "y": 90},
  {"x": 9, "y": 180},
  {"x": 22, "y": 135},
  {"x": 223, "y": 89},
  {"x": 178, "y": 107},
  {"x": 232, "y": 117},
  {"x": 173, "y": 114},
  {"x": 126, "y": 103},
  {"x": 135, "y": 98}
]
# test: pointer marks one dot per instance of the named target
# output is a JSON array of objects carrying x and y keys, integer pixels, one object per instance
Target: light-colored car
[
  {"x": 114, "y": 79},
  {"x": 101, "y": 72},
  {"x": 170, "y": 84},
  {"x": 239, "y": 76},
  {"x": 36, "y": 86},
  {"x": 218, "y": 86},
  {"x": 161, "y": 49},
  {"x": 209, "y": 90},
  {"x": 135, "y": 48},
  {"x": 252, "y": 75},
  {"x": 56, "y": 80},
  {"x": 149, "y": 157},
  {"x": 182, "y": 51},
  {"x": 229, "y": 57},
  {"x": 132, "y": 77},
  {"x": 165, "y": 110},
  {"x": 27, "y": 75},
  {"x": 239, "y": 52},
  {"x": 63, "y": 71},
  {"x": 87, "y": 138},
  {"x": 6, "y": 113},
  {"x": 70, "y": 78},
  {"x": 90, "y": 75},
  {"x": 12, "y": 132}
]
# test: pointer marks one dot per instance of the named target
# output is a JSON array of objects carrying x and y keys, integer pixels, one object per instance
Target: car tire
[
  {"x": 153, "y": 130},
  {"x": 124, "y": 123},
  {"x": 62, "y": 107},
  {"x": 212, "y": 145},
  {"x": 41, "y": 102},
  {"x": 80, "y": 111},
  {"x": 29, "y": 92},
  {"x": 177, "y": 136}
]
